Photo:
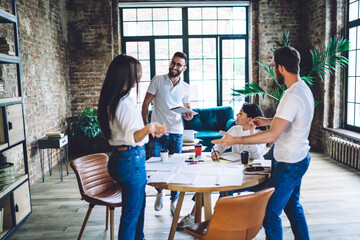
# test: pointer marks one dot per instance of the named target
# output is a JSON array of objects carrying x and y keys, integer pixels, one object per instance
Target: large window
[
  {"x": 353, "y": 81},
  {"x": 214, "y": 38}
]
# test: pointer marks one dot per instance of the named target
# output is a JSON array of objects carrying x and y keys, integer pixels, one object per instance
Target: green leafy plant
[
  {"x": 85, "y": 125},
  {"x": 324, "y": 61},
  {"x": 85, "y": 136}
]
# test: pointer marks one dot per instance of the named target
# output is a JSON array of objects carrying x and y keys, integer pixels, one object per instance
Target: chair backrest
[
  {"x": 92, "y": 174},
  {"x": 238, "y": 217}
]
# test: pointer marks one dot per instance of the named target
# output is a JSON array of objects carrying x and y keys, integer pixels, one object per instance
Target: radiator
[{"x": 345, "y": 152}]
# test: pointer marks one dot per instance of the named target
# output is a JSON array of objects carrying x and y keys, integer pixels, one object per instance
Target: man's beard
[
  {"x": 171, "y": 74},
  {"x": 279, "y": 77}
]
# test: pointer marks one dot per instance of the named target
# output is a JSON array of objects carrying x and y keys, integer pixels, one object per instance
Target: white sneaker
[
  {"x": 172, "y": 207},
  {"x": 159, "y": 201},
  {"x": 186, "y": 221}
]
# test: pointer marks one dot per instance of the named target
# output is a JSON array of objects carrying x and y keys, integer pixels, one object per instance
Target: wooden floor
[{"x": 330, "y": 197}]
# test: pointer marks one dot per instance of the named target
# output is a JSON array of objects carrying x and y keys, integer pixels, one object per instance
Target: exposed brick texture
[
  {"x": 45, "y": 71},
  {"x": 67, "y": 45}
]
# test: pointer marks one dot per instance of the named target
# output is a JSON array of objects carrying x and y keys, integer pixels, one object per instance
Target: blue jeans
[
  {"x": 128, "y": 169},
  {"x": 173, "y": 143},
  {"x": 286, "y": 179}
]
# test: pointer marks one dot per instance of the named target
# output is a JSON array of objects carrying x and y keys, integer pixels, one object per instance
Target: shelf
[
  {"x": 19, "y": 178},
  {"x": 8, "y": 101},
  {"x": 6, "y": 17},
  {"x": 8, "y": 58}
]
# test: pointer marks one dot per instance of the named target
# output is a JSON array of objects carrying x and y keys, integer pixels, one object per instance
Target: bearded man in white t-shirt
[
  {"x": 168, "y": 91},
  {"x": 289, "y": 130}
]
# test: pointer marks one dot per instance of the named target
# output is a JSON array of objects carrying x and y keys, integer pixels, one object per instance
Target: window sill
[{"x": 344, "y": 133}]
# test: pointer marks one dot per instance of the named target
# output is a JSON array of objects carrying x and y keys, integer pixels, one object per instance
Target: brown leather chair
[
  {"x": 234, "y": 218},
  {"x": 97, "y": 187}
]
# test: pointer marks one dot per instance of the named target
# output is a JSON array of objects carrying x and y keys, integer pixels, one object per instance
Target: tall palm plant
[{"x": 324, "y": 61}]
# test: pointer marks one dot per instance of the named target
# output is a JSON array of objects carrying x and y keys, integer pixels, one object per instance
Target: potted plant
[
  {"x": 85, "y": 135},
  {"x": 324, "y": 61}
]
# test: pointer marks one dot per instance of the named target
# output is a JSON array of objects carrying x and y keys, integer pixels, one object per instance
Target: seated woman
[{"x": 244, "y": 127}]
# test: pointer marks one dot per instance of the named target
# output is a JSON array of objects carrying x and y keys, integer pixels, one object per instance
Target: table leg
[
  {"x": 67, "y": 159},
  {"x": 207, "y": 206},
  {"x": 60, "y": 164},
  {"x": 50, "y": 160},
  {"x": 198, "y": 206},
  {"x": 42, "y": 163},
  {"x": 176, "y": 216}
]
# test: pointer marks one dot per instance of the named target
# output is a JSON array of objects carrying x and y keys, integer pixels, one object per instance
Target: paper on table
[
  {"x": 161, "y": 166},
  {"x": 160, "y": 177},
  {"x": 261, "y": 162},
  {"x": 153, "y": 159},
  {"x": 230, "y": 156},
  {"x": 182, "y": 179},
  {"x": 181, "y": 109}
]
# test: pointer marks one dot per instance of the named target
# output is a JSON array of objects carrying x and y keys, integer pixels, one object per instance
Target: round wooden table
[{"x": 203, "y": 196}]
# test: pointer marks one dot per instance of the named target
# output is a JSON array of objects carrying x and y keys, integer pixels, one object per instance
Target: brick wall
[
  {"x": 45, "y": 73},
  {"x": 270, "y": 20},
  {"x": 92, "y": 46}
]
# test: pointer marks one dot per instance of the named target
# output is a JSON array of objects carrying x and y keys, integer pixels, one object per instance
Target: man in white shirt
[
  {"x": 289, "y": 129},
  {"x": 168, "y": 91}
]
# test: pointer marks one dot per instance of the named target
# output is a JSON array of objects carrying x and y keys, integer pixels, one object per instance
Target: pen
[{"x": 214, "y": 152}]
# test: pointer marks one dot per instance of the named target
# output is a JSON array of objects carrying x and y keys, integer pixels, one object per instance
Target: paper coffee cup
[{"x": 164, "y": 155}]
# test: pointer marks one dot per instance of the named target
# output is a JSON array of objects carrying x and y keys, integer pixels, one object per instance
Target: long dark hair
[
  {"x": 252, "y": 111},
  {"x": 123, "y": 73}
]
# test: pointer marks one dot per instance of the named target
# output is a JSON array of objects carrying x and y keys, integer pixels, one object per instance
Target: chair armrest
[{"x": 229, "y": 124}]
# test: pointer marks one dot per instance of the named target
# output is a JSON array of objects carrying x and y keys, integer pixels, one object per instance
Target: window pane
[
  {"x": 194, "y": 13},
  {"x": 161, "y": 28},
  {"x": 209, "y": 27},
  {"x": 145, "y": 28},
  {"x": 162, "y": 67},
  {"x": 352, "y": 62},
  {"x": 209, "y": 13},
  {"x": 350, "y": 113},
  {"x": 144, "y": 14},
  {"x": 239, "y": 27},
  {"x": 196, "y": 71},
  {"x": 161, "y": 49},
  {"x": 175, "y": 45},
  {"x": 357, "y": 115},
  {"x": 353, "y": 11},
  {"x": 175, "y": 14},
  {"x": 195, "y": 27},
  {"x": 225, "y": 27},
  {"x": 224, "y": 13},
  {"x": 351, "y": 89},
  {"x": 209, "y": 48},
  {"x": 195, "y": 47},
  {"x": 210, "y": 69},
  {"x": 227, "y": 69},
  {"x": 160, "y": 14},
  {"x": 352, "y": 38},
  {"x": 129, "y": 14},
  {"x": 130, "y": 29},
  {"x": 239, "y": 13},
  {"x": 175, "y": 28},
  {"x": 357, "y": 90}
]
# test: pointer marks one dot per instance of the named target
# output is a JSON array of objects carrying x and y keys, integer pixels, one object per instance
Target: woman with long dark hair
[{"x": 121, "y": 124}]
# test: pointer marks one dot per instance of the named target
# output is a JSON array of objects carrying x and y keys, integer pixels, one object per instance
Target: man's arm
[
  {"x": 187, "y": 116},
  {"x": 261, "y": 121},
  {"x": 145, "y": 107},
  {"x": 277, "y": 127}
]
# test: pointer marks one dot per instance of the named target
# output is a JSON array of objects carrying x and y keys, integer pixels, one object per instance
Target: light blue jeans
[
  {"x": 128, "y": 169},
  {"x": 172, "y": 142},
  {"x": 286, "y": 179}
]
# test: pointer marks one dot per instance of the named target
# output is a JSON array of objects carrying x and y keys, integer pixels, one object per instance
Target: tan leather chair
[
  {"x": 97, "y": 187},
  {"x": 234, "y": 218}
]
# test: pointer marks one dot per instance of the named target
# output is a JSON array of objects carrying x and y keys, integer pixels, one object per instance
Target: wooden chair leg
[
  {"x": 91, "y": 206},
  {"x": 107, "y": 219},
  {"x": 111, "y": 223}
]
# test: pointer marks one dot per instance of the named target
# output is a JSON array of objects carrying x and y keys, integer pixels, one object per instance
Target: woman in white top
[
  {"x": 244, "y": 126},
  {"x": 121, "y": 124}
]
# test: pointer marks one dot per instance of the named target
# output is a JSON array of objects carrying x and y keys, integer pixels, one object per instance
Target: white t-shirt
[
  {"x": 127, "y": 121},
  {"x": 297, "y": 107},
  {"x": 256, "y": 151},
  {"x": 167, "y": 96}
]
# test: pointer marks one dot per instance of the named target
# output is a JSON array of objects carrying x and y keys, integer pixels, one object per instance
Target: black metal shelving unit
[{"x": 15, "y": 199}]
